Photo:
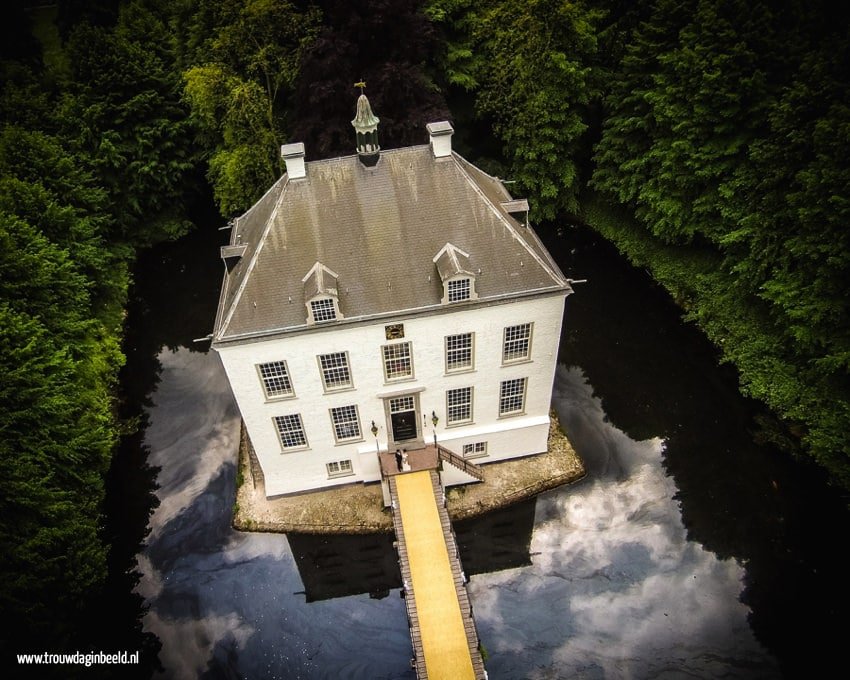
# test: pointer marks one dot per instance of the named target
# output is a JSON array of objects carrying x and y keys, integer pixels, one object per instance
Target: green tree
[
  {"x": 792, "y": 247},
  {"x": 46, "y": 186},
  {"x": 726, "y": 133},
  {"x": 537, "y": 84},
  {"x": 53, "y": 454},
  {"x": 236, "y": 90},
  {"x": 232, "y": 115},
  {"x": 532, "y": 69},
  {"x": 624, "y": 157},
  {"x": 124, "y": 114},
  {"x": 91, "y": 166}
]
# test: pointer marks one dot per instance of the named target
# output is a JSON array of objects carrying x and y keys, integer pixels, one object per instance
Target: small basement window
[
  {"x": 475, "y": 450},
  {"x": 340, "y": 468}
]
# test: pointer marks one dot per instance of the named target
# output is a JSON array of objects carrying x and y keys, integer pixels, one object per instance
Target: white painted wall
[{"x": 290, "y": 472}]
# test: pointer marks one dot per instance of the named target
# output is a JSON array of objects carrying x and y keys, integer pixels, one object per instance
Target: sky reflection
[
  {"x": 229, "y": 604},
  {"x": 615, "y": 589}
]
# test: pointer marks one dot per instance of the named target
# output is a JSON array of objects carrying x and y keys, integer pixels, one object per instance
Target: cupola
[{"x": 366, "y": 129}]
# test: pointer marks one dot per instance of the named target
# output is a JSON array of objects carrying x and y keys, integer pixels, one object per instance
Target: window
[
  {"x": 323, "y": 310},
  {"x": 346, "y": 423},
  {"x": 340, "y": 468},
  {"x": 290, "y": 429},
  {"x": 459, "y": 290},
  {"x": 275, "y": 377},
  {"x": 397, "y": 361},
  {"x": 459, "y": 405},
  {"x": 335, "y": 371},
  {"x": 512, "y": 396},
  {"x": 402, "y": 404},
  {"x": 458, "y": 352},
  {"x": 517, "y": 345},
  {"x": 475, "y": 450}
]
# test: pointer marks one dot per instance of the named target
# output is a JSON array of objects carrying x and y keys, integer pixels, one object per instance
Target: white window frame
[
  {"x": 343, "y": 417},
  {"x": 323, "y": 309},
  {"x": 459, "y": 289},
  {"x": 514, "y": 337},
  {"x": 393, "y": 376},
  {"x": 475, "y": 450},
  {"x": 339, "y": 468},
  {"x": 509, "y": 390},
  {"x": 406, "y": 402},
  {"x": 291, "y": 425},
  {"x": 326, "y": 370},
  {"x": 459, "y": 400},
  {"x": 276, "y": 372},
  {"x": 453, "y": 348}
]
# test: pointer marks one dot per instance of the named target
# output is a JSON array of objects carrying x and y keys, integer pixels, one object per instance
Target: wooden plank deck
[{"x": 442, "y": 629}]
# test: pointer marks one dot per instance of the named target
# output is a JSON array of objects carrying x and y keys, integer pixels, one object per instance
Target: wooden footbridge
[{"x": 442, "y": 628}]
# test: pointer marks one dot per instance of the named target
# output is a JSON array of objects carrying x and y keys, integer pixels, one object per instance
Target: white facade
[
  {"x": 374, "y": 302},
  {"x": 506, "y": 417}
]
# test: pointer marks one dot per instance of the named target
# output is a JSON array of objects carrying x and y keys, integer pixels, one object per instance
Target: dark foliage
[
  {"x": 94, "y": 162},
  {"x": 387, "y": 44}
]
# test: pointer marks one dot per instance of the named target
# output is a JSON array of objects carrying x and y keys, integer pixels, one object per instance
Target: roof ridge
[
  {"x": 547, "y": 267},
  {"x": 384, "y": 152},
  {"x": 255, "y": 256}
]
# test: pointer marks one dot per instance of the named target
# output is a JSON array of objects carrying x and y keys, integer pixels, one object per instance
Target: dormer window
[
  {"x": 321, "y": 294},
  {"x": 456, "y": 274},
  {"x": 459, "y": 289},
  {"x": 323, "y": 309}
]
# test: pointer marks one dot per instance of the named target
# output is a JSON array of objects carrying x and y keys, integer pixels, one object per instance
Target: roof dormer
[
  {"x": 232, "y": 254},
  {"x": 456, "y": 275},
  {"x": 321, "y": 295}
]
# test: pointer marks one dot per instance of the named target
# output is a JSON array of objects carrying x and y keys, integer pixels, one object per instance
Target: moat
[{"x": 688, "y": 550}]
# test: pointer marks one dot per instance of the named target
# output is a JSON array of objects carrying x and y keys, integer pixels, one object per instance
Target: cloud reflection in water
[
  {"x": 230, "y": 604},
  {"x": 615, "y": 589}
]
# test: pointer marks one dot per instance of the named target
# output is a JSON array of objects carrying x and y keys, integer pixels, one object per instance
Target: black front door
[{"x": 404, "y": 425}]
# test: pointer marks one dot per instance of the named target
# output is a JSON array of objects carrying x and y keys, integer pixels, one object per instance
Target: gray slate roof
[{"x": 379, "y": 229}]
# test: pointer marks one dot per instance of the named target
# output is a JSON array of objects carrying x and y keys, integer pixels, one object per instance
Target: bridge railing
[{"x": 468, "y": 467}]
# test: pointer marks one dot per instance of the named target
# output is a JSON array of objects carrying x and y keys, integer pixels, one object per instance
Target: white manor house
[{"x": 381, "y": 301}]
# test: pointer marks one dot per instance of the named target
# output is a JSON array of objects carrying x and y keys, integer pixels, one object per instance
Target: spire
[{"x": 366, "y": 128}]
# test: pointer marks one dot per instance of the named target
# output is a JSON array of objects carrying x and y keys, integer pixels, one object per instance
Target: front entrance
[{"x": 404, "y": 421}]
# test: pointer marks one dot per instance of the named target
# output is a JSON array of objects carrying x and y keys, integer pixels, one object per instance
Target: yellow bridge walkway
[{"x": 443, "y": 632}]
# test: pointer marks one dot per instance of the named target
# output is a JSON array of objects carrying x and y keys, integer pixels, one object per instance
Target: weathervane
[{"x": 361, "y": 85}]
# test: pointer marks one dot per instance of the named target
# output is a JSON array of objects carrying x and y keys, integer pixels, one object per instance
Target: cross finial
[{"x": 361, "y": 85}]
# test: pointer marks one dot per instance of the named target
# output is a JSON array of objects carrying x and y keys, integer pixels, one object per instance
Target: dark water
[{"x": 688, "y": 552}]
